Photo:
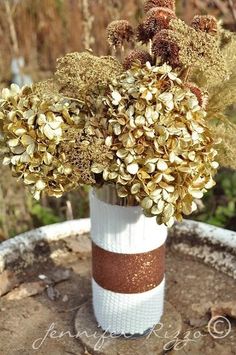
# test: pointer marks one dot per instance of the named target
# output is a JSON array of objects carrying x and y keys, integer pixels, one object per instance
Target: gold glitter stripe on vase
[{"x": 128, "y": 273}]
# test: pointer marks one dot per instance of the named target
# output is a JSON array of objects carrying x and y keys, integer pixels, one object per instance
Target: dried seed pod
[
  {"x": 201, "y": 96},
  {"x": 165, "y": 45},
  {"x": 205, "y": 23},
  {"x": 149, "y": 4},
  {"x": 158, "y": 18},
  {"x": 142, "y": 35},
  {"x": 137, "y": 55},
  {"x": 119, "y": 32}
]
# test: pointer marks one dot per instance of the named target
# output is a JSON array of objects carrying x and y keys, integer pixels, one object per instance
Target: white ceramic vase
[{"x": 124, "y": 301}]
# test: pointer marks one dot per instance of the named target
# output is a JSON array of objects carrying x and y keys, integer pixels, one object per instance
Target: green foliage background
[{"x": 219, "y": 204}]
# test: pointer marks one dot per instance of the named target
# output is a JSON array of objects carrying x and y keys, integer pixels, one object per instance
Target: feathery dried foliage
[
  {"x": 227, "y": 44},
  {"x": 164, "y": 153},
  {"x": 224, "y": 132},
  {"x": 223, "y": 94},
  {"x": 83, "y": 75},
  {"x": 200, "y": 51},
  {"x": 33, "y": 127},
  {"x": 228, "y": 48},
  {"x": 205, "y": 23},
  {"x": 149, "y": 4},
  {"x": 119, "y": 32},
  {"x": 137, "y": 55}
]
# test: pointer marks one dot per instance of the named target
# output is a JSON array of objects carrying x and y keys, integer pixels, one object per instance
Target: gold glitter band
[{"x": 128, "y": 273}]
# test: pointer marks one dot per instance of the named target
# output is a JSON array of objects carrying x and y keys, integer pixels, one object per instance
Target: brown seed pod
[
  {"x": 142, "y": 35},
  {"x": 165, "y": 45},
  {"x": 149, "y": 4},
  {"x": 201, "y": 96},
  {"x": 137, "y": 55},
  {"x": 205, "y": 23},
  {"x": 157, "y": 19},
  {"x": 119, "y": 32}
]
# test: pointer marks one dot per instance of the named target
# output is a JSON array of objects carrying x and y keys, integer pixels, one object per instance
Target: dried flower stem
[
  {"x": 3, "y": 214},
  {"x": 69, "y": 211},
  {"x": 108, "y": 193},
  {"x": 185, "y": 74},
  {"x": 12, "y": 27},
  {"x": 150, "y": 46},
  {"x": 88, "y": 24},
  {"x": 233, "y": 9}
]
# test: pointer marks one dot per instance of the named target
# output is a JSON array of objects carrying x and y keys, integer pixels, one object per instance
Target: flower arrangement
[{"x": 149, "y": 120}]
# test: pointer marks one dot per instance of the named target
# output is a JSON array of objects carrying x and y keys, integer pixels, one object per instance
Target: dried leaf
[
  {"x": 8, "y": 281},
  {"x": 26, "y": 290}
]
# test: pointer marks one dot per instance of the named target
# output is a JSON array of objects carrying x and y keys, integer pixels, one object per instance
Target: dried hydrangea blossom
[
  {"x": 201, "y": 95},
  {"x": 157, "y": 19},
  {"x": 149, "y": 4},
  {"x": 119, "y": 32},
  {"x": 165, "y": 46},
  {"x": 33, "y": 127},
  {"x": 205, "y": 23},
  {"x": 164, "y": 149},
  {"x": 84, "y": 149},
  {"x": 82, "y": 75},
  {"x": 137, "y": 55}
]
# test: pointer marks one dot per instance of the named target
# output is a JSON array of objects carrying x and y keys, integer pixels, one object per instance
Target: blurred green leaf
[
  {"x": 44, "y": 215},
  {"x": 220, "y": 202}
]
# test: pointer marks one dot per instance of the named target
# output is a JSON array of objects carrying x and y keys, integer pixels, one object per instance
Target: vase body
[{"x": 128, "y": 267}]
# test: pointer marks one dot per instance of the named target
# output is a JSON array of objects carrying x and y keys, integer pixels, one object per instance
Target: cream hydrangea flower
[
  {"x": 33, "y": 128},
  {"x": 164, "y": 151}
]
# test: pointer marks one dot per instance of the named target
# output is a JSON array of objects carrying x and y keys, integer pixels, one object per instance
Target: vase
[{"x": 128, "y": 261}]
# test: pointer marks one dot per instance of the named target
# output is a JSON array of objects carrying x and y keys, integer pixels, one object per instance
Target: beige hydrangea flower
[
  {"x": 151, "y": 140},
  {"x": 33, "y": 127},
  {"x": 164, "y": 153}
]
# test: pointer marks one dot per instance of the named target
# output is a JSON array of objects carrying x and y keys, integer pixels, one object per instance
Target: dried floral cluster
[
  {"x": 194, "y": 47},
  {"x": 164, "y": 152},
  {"x": 34, "y": 127},
  {"x": 150, "y": 124},
  {"x": 119, "y": 32},
  {"x": 83, "y": 150},
  {"x": 81, "y": 75},
  {"x": 202, "y": 53},
  {"x": 157, "y": 19}
]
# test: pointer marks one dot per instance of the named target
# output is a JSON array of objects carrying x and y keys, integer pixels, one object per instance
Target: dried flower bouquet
[{"x": 150, "y": 120}]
